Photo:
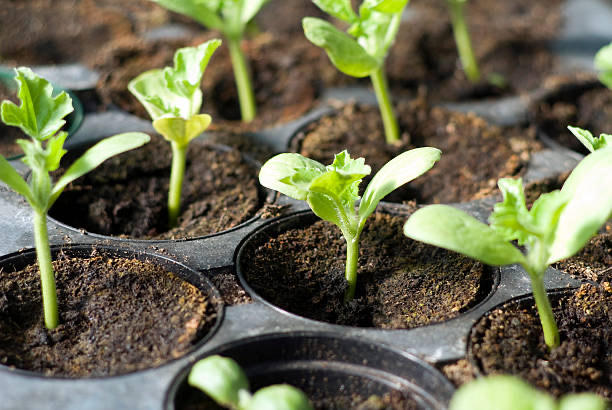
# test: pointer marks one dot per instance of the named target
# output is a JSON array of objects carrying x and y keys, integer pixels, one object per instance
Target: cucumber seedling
[
  {"x": 332, "y": 191},
  {"x": 41, "y": 116},
  {"x": 173, "y": 98}
]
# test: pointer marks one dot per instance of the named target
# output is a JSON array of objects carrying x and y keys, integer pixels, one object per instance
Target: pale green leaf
[
  {"x": 377, "y": 33},
  {"x": 221, "y": 378},
  {"x": 582, "y": 401},
  {"x": 386, "y": 6},
  {"x": 250, "y": 8},
  {"x": 397, "y": 172},
  {"x": 40, "y": 115},
  {"x": 545, "y": 212},
  {"x": 13, "y": 180},
  {"x": 340, "y": 9},
  {"x": 97, "y": 154},
  {"x": 603, "y": 62},
  {"x": 279, "y": 397},
  {"x": 181, "y": 130},
  {"x": 345, "y": 165},
  {"x": 54, "y": 151},
  {"x": 276, "y": 173},
  {"x": 327, "y": 209},
  {"x": 344, "y": 52},
  {"x": 587, "y": 168},
  {"x": 510, "y": 217},
  {"x": 588, "y": 140},
  {"x": 452, "y": 229},
  {"x": 204, "y": 12}
]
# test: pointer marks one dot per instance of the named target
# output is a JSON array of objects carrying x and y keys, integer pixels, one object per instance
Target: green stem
[
  {"x": 179, "y": 157},
  {"x": 549, "y": 325},
  {"x": 47, "y": 276},
  {"x": 352, "y": 257},
  {"x": 246, "y": 96},
  {"x": 462, "y": 38},
  {"x": 379, "y": 80}
]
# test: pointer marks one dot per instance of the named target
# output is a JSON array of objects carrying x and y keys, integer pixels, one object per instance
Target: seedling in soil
[
  {"x": 232, "y": 18},
  {"x": 363, "y": 50},
  {"x": 331, "y": 192},
  {"x": 603, "y": 62},
  {"x": 463, "y": 41},
  {"x": 225, "y": 382},
  {"x": 173, "y": 98},
  {"x": 588, "y": 140},
  {"x": 503, "y": 392},
  {"x": 556, "y": 227},
  {"x": 40, "y": 116}
]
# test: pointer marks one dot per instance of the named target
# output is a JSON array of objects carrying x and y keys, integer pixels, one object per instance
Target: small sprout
[
  {"x": 558, "y": 225},
  {"x": 503, "y": 392},
  {"x": 232, "y": 18},
  {"x": 463, "y": 41},
  {"x": 588, "y": 140},
  {"x": 332, "y": 191},
  {"x": 363, "y": 50},
  {"x": 603, "y": 62},
  {"x": 225, "y": 382},
  {"x": 40, "y": 116},
  {"x": 173, "y": 99}
]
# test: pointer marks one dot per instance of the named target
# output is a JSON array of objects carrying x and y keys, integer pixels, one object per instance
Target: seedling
[
  {"x": 331, "y": 192},
  {"x": 503, "y": 392},
  {"x": 225, "y": 382},
  {"x": 603, "y": 62},
  {"x": 463, "y": 41},
  {"x": 40, "y": 116},
  {"x": 362, "y": 51},
  {"x": 557, "y": 226},
  {"x": 588, "y": 140},
  {"x": 231, "y": 18},
  {"x": 173, "y": 99}
]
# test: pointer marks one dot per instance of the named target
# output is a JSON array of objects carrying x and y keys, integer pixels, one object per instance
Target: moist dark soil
[
  {"x": 284, "y": 17},
  {"x": 229, "y": 287},
  {"x": 458, "y": 372},
  {"x": 474, "y": 154},
  {"x": 594, "y": 261},
  {"x": 510, "y": 340},
  {"x": 117, "y": 316},
  {"x": 127, "y": 195},
  {"x": 64, "y": 31},
  {"x": 9, "y": 134},
  {"x": 577, "y": 102},
  {"x": 401, "y": 283},
  {"x": 287, "y": 76}
]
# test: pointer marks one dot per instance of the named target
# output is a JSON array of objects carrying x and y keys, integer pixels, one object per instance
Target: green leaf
[
  {"x": 340, "y": 9},
  {"x": 327, "y": 209},
  {"x": 277, "y": 172},
  {"x": 588, "y": 140},
  {"x": 54, "y": 151},
  {"x": 397, "y": 172},
  {"x": 582, "y": 401},
  {"x": 10, "y": 177},
  {"x": 204, "y": 12},
  {"x": 181, "y": 130},
  {"x": 279, "y": 397},
  {"x": 344, "y": 52},
  {"x": 40, "y": 115},
  {"x": 545, "y": 213},
  {"x": 250, "y": 8},
  {"x": 221, "y": 378},
  {"x": 589, "y": 206},
  {"x": 386, "y": 6},
  {"x": 603, "y": 62},
  {"x": 450, "y": 228},
  {"x": 510, "y": 218},
  {"x": 377, "y": 32},
  {"x": 97, "y": 154}
]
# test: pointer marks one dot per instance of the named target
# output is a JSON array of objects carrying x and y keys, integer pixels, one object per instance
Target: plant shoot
[
  {"x": 232, "y": 18},
  {"x": 463, "y": 41},
  {"x": 556, "y": 227},
  {"x": 41, "y": 116},
  {"x": 362, "y": 51},
  {"x": 591, "y": 142},
  {"x": 173, "y": 98},
  {"x": 603, "y": 62},
  {"x": 332, "y": 191},
  {"x": 225, "y": 382}
]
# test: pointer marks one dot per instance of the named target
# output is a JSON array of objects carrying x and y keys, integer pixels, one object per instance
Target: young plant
[
  {"x": 363, "y": 50},
  {"x": 40, "y": 116},
  {"x": 462, "y": 40},
  {"x": 503, "y": 392},
  {"x": 588, "y": 140},
  {"x": 231, "y": 18},
  {"x": 173, "y": 99},
  {"x": 557, "y": 226},
  {"x": 603, "y": 62},
  {"x": 331, "y": 192},
  {"x": 225, "y": 382}
]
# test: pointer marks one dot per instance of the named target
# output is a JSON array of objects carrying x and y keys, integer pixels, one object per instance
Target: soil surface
[
  {"x": 594, "y": 261},
  {"x": 401, "y": 283},
  {"x": 127, "y": 195},
  {"x": 117, "y": 316},
  {"x": 9, "y": 134},
  {"x": 474, "y": 154},
  {"x": 577, "y": 102},
  {"x": 510, "y": 340},
  {"x": 230, "y": 289}
]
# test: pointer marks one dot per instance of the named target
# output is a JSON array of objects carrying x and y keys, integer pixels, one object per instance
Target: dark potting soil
[
  {"x": 284, "y": 17},
  {"x": 229, "y": 287},
  {"x": 474, "y": 154},
  {"x": 510, "y": 340},
  {"x": 127, "y": 195},
  {"x": 9, "y": 134},
  {"x": 594, "y": 261},
  {"x": 287, "y": 75},
  {"x": 458, "y": 372},
  {"x": 116, "y": 316},
  {"x": 577, "y": 102},
  {"x": 401, "y": 283}
]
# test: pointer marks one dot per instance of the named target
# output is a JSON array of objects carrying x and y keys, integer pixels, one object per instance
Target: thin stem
[
  {"x": 246, "y": 96},
  {"x": 379, "y": 81},
  {"x": 47, "y": 276},
  {"x": 549, "y": 325},
  {"x": 462, "y": 38},
  {"x": 179, "y": 157},
  {"x": 352, "y": 257}
]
